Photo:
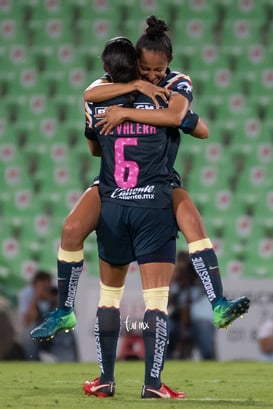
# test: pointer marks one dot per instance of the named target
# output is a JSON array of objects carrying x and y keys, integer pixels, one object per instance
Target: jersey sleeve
[
  {"x": 181, "y": 84},
  {"x": 89, "y": 125}
]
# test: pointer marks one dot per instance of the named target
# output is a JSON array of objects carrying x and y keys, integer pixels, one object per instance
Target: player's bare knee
[{"x": 72, "y": 234}]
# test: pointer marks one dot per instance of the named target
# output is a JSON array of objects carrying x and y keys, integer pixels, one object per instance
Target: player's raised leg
[
  {"x": 80, "y": 222},
  {"x": 205, "y": 261}
]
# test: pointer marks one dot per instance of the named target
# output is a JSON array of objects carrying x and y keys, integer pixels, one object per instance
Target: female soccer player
[
  {"x": 136, "y": 223},
  {"x": 154, "y": 51}
]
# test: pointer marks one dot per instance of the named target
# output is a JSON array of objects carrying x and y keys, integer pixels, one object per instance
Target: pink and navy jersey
[
  {"x": 180, "y": 83},
  {"x": 134, "y": 166}
]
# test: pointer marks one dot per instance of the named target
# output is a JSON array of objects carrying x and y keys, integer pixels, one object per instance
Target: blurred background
[{"x": 50, "y": 52}]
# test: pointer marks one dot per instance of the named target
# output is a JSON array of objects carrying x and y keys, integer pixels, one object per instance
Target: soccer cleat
[
  {"x": 228, "y": 311},
  {"x": 164, "y": 392},
  {"x": 105, "y": 390},
  {"x": 55, "y": 321}
]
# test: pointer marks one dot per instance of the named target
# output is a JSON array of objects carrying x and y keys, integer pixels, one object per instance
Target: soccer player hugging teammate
[{"x": 154, "y": 53}]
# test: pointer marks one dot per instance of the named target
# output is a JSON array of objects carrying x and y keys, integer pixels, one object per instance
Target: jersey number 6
[{"x": 126, "y": 171}]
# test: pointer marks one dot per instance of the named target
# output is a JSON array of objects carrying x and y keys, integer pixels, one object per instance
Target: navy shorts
[{"x": 127, "y": 233}]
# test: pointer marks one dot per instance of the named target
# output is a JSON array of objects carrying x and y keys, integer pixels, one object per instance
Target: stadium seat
[
  {"x": 240, "y": 31},
  {"x": 259, "y": 253},
  {"x": 195, "y": 32},
  {"x": 97, "y": 31},
  {"x": 210, "y": 57},
  {"x": 195, "y": 9},
  {"x": 250, "y": 10},
  {"x": 12, "y": 30}
]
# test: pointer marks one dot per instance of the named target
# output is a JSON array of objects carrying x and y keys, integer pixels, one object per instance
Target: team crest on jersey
[
  {"x": 185, "y": 86},
  {"x": 180, "y": 83}
]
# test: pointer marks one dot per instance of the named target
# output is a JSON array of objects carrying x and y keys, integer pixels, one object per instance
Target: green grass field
[{"x": 209, "y": 385}]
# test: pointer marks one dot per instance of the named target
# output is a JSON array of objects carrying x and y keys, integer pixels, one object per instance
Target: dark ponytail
[{"x": 155, "y": 38}]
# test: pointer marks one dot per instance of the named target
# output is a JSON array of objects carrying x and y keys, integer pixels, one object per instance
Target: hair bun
[{"x": 155, "y": 27}]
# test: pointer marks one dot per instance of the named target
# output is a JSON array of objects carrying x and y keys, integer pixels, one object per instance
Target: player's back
[{"x": 134, "y": 167}]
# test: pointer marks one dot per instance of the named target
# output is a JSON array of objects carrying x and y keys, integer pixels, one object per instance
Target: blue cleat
[
  {"x": 55, "y": 321},
  {"x": 228, "y": 311}
]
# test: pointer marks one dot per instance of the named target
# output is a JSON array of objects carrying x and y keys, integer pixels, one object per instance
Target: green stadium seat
[
  {"x": 47, "y": 9},
  {"x": 250, "y": 10},
  {"x": 252, "y": 58},
  {"x": 103, "y": 9},
  {"x": 262, "y": 85},
  {"x": 25, "y": 84},
  {"x": 220, "y": 83},
  {"x": 97, "y": 31},
  {"x": 208, "y": 56},
  {"x": 195, "y": 9},
  {"x": 6, "y": 9},
  {"x": 51, "y": 60},
  {"x": 245, "y": 132},
  {"x": 240, "y": 32},
  {"x": 50, "y": 31},
  {"x": 67, "y": 201},
  {"x": 69, "y": 89},
  {"x": 209, "y": 177},
  {"x": 12, "y": 255},
  {"x": 222, "y": 132},
  {"x": 255, "y": 177},
  {"x": 15, "y": 176},
  {"x": 16, "y": 204},
  {"x": 134, "y": 15},
  {"x": 264, "y": 207},
  {"x": 47, "y": 258},
  {"x": 145, "y": 8},
  {"x": 7, "y": 76},
  {"x": 12, "y": 31},
  {"x": 222, "y": 107},
  {"x": 195, "y": 32},
  {"x": 259, "y": 253}
]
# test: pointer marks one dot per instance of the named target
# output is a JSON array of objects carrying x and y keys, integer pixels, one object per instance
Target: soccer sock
[
  {"x": 70, "y": 265},
  {"x": 107, "y": 329},
  {"x": 155, "y": 337},
  {"x": 205, "y": 263},
  {"x": 155, "y": 334}
]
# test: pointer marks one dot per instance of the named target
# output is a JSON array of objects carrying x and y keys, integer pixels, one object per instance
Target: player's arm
[
  {"x": 92, "y": 141},
  {"x": 192, "y": 124},
  {"x": 180, "y": 87},
  {"x": 102, "y": 90},
  {"x": 90, "y": 134},
  {"x": 201, "y": 130},
  {"x": 94, "y": 148},
  {"x": 171, "y": 116}
]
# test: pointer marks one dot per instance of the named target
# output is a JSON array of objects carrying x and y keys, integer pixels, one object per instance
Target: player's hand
[
  {"x": 153, "y": 91},
  {"x": 110, "y": 118}
]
